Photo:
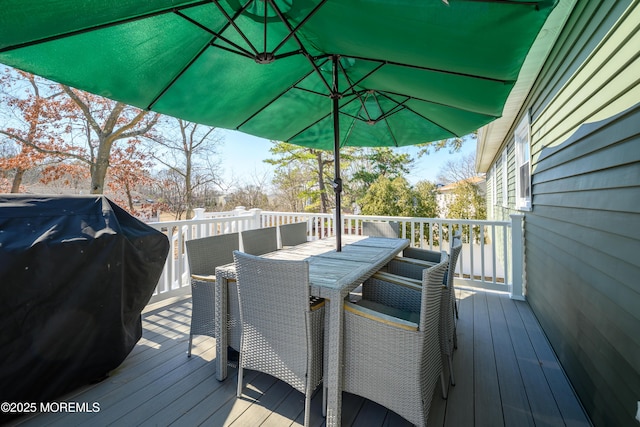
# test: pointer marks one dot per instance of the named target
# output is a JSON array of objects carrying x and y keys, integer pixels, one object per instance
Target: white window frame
[
  {"x": 494, "y": 189},
  {"x": 522, "y": 136},
  {"x": 505, "y": 179}
]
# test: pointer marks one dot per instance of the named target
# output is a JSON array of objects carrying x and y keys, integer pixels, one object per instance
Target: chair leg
[
  {"x": 307, "y": 409},
  {"x": 443, "y": 383},
  {"x": 455, "y": 338},
  {"x": 190, "y": 341},
  {"x": 240, "y": 374},
  {"x": 324, "y": 401},
  {"x": 451, "y": 377},
  {"x": 455, "y": 304}
]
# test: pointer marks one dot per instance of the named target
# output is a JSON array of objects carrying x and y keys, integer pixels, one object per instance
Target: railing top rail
[
  {"x": 398, "y": 218},
  {"x": 212, "y": 220}
]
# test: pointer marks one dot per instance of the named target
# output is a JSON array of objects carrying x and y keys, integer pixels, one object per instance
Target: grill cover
[{"x": 75, "y": 275}]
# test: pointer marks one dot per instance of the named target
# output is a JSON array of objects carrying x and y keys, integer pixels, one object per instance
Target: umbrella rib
[
  {"x": 433, "y": 102},
  {"x": 385, "y": 116},
  {"x": 435, "y": 70},
  {"x": 431, "y": 121},
  {"x": 420, "y": 115},
  {"x": 393, "y": 136},
  {"x": 396, "y": 109},
  {"x": 177, "y": 76},
  {"x": 101, "y": 26},
  {"x": 354, "y": 84},
  {"x": 199, "y": 54},
  {"x": 311, "y": 91},
  {"x": 231, "y": 21},
  {"x": 303, "y": 50},
  {"x": 310, "y": 126},
  {"x": 510, "y": 2},
  {"x": 293, "y": 86},
  {"x": 321, "y": 118},
  {"x": 241, "y": 51},
  {"x": 292, "y": 31}
]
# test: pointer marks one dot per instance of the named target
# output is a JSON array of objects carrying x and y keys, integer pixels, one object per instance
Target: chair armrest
[
  {"x": 407, "y": 282},
  {"x": 422, "y": 254},
  {"x": 200, "y": 278},
  {"x": 380, "y": 317},
  {"x": 415, "y": 261}
]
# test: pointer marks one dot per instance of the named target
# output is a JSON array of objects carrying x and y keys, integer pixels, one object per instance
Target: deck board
[
  {"x": 506, "y": 374},
  {"x": 488, "y": 410},
  {"x": 543, "y": 406},
  {"x": 458, "y": 409},
  {"x": 512, "y": 391}
]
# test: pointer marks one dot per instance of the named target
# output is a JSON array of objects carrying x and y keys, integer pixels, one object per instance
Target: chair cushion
[{"x": 384, "y": 314}]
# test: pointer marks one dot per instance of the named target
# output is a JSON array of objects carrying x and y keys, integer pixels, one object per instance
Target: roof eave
[{"x": 491, "y": 137}]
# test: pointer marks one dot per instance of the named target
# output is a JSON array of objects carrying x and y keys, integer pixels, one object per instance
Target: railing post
[
  {"x": 201, "y": 230},
  {"x": 237, "y": 211},
  {"x": 256, "y": 214},
  {"x": 518, "y": 278},
  {"x": 198, "y": 213}
]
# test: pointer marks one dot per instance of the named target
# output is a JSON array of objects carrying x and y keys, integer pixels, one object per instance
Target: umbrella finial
[{"x": 264, "y": 58}]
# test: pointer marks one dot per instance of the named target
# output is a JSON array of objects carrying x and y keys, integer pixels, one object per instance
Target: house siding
[{"x": 582, "y": 250}]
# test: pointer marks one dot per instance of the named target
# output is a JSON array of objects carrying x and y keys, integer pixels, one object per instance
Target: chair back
[
  {"x": 293, "y": 234},
  {"x": 274, "y": 304},
  {"x": 454, "y": 253},
  {"x": 259, "y": 241},
  {"x": 447, "y": 307},
  {"x": 380, "y": 229},
  {"x": 432, "y": 279},
  {"x": 207, "y": 253}
]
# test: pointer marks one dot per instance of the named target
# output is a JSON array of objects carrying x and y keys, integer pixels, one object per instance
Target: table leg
[
  {"x": 221, "y": 327},
  {"x": 334, "y": 371}
]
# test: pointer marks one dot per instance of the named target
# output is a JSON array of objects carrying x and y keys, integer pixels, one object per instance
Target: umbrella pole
[{"x": 337, "y": 182}]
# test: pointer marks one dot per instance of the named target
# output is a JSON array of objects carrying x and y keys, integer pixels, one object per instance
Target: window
[
  {"x": 505, "y": 180},
  {"x": 523, "y": 165}
]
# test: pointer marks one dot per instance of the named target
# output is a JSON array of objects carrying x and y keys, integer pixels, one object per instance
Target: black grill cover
[{"x": 75, "y": 274}]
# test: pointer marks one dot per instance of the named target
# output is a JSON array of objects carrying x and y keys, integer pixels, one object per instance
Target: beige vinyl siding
[{"x": 583, "y": 234}]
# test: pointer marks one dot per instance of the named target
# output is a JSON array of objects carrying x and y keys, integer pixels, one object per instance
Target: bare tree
[
  {"x": 460, "y": 169},
  {"x": 70, "y": 126},
  {"x": 189, "y": 151}
]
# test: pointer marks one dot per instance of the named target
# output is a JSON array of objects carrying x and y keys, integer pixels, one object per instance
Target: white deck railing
[{"x": 492, "y": 254}]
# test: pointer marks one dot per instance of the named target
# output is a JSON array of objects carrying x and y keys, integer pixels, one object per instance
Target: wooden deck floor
[{"x": 506, "y": 374}]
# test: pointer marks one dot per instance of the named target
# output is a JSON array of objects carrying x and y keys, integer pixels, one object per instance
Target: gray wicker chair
[
  {"x": 380, "y": 229},
  {"x": 204, "y": 256},
  {"x": 293, "y": 234},
  {"x": 399, "y": 287},
  {"x": 282, "y": 328},
  {"x": 431, "y": 257},
  {"x": 260, "y": 240},
  {"x": 391, "y": 356}
]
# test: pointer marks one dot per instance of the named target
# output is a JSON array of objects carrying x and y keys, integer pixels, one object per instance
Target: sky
[{"x": 242, "y": 158}]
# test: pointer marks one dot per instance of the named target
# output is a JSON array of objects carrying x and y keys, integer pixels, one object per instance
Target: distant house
[
  {"x": 446, "y": 193},
  {"x": 566, "y": 156}
]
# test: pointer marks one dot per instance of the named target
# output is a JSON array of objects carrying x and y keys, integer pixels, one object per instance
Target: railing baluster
[{"x": 422, "y": 232}]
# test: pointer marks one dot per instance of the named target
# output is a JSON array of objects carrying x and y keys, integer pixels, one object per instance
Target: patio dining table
[{"x": 332, "y": 275}]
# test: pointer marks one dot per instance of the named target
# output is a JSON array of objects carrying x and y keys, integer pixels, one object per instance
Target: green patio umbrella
[{"x": 317, "y": 73}]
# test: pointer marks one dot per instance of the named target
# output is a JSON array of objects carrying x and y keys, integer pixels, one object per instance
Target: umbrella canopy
[{"x": 317, "y": 73}]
